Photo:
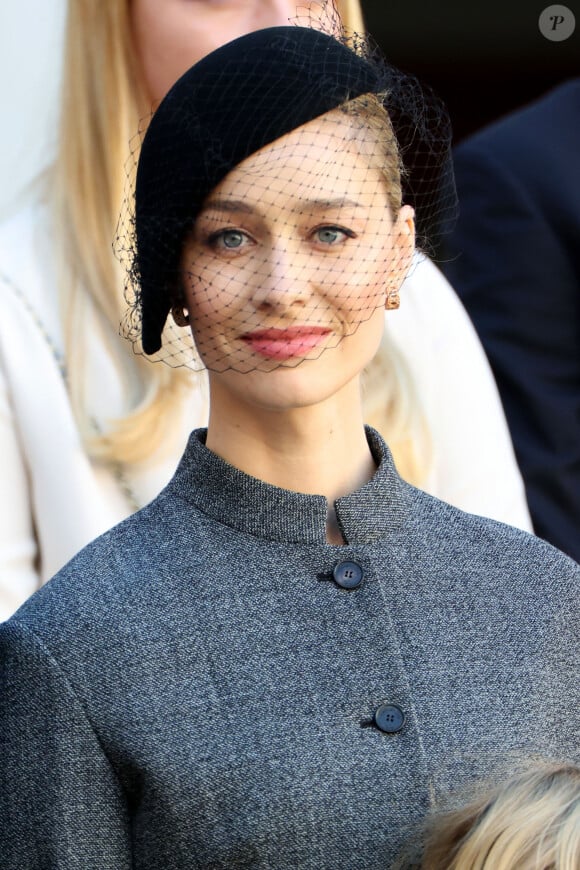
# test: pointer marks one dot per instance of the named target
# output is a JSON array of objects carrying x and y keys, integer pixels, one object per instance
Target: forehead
[{"x": 320, "y": 159}]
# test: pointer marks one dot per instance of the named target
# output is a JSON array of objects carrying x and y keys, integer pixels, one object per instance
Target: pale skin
[
  {"x": 172, "y": 35},
  {"x": 298, "y": 236}
]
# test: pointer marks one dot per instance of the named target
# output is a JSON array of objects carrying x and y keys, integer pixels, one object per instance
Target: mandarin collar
[{"x": 254, "y": 507}]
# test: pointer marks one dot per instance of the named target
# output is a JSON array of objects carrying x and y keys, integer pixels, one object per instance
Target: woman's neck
[{"x": 318, "y": 450}]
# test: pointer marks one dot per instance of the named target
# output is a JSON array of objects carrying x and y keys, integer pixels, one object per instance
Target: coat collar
[{"x": 235, "y": 499}]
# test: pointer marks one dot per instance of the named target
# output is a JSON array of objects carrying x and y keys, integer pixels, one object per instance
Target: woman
[
  {"x": 105, "y": 449},
  {"x": 291, "y": 653}
]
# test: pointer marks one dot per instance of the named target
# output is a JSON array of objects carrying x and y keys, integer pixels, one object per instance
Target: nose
[{"x": 283, "y": 281}]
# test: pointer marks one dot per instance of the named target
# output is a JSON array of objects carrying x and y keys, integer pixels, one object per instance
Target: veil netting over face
[{"x": 264, "y": 212}]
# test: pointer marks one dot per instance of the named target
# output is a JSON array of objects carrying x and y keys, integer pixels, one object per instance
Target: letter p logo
[{"x": 557, "y": 23}]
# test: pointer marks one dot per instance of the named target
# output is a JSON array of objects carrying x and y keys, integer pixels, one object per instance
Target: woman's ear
[
  {"x": 403, "y": 233},
  {"x": 406, "y": 223}
]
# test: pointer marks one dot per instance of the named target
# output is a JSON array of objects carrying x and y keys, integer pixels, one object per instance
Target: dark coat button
[
  {"x": 389, "y": 718},
  {"x": 348, "y": 575}
]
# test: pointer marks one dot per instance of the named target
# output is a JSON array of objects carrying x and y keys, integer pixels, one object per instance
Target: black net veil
[{"x": 262, "y": 211}]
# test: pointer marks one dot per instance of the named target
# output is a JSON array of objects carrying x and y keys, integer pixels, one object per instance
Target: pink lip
[{"x": 295, "y": 341}]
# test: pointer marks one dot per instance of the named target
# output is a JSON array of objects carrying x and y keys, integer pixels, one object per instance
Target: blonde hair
[
  {"x": 531, "y": 822},
  {"x": 102, "y": 96},
  {"x": 351, "y": 15}
]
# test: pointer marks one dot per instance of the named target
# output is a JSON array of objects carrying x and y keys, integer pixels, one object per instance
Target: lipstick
[{"x": 288, "y": 343}]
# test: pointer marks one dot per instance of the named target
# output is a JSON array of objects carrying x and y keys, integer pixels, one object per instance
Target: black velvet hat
[{"x": 240, "y": 98}]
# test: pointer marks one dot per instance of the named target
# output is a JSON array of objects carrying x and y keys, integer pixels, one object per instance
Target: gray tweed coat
[{"x": 199, "y": 689}]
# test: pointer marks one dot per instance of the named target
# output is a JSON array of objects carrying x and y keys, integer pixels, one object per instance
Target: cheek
[
  {"x": 214, "y": 287},
  {"x": 215, "y": 301},
  {"x": 358, "y": 283}
]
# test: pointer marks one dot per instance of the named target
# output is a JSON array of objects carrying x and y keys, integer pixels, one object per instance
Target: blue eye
[
  {"x": 231, "y": 238},
  {"x": 228, "y": 240},
  {"x": 331, "y": 235}
]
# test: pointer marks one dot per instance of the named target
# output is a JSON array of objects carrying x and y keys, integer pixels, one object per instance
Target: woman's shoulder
[
  {"x": 488, "y": 550},
  {"x": 119, "y": 570},
  {"x": 145, "y": 581}
]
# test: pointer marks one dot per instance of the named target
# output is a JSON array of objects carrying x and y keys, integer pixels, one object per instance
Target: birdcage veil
[{"x": 263, "y": 209}]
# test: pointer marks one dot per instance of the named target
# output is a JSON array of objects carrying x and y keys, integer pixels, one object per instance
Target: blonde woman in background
[{"x": 84, "y": 432}]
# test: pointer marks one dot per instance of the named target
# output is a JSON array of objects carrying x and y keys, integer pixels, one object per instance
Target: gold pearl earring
[
  {"x": 180, "y": 315},
  {"x": 393, "y": 300}
]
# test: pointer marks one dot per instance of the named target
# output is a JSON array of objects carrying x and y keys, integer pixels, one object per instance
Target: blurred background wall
[
  {"x": 30, "y": 52},
  {"x": 484, "y": 57}
]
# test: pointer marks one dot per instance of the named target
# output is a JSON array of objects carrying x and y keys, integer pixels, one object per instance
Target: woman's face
[
  {"x": 172, "y": 35},
  {"x": 287, "y": 267}
]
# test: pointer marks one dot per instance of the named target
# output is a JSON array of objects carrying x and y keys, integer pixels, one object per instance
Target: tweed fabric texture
[{"x": 194, "y": 691}]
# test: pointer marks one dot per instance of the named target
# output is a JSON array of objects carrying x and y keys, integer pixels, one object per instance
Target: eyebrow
[
  {"x": 240, "y": 205},
  {"x": 339, "y": 202},
  {"x": 230, "y": 205}
]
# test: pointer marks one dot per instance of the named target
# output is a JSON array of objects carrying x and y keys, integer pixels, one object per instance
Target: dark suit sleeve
[
  {"x": 60, "y": 802},
  {"x": 519, "y": 283}
]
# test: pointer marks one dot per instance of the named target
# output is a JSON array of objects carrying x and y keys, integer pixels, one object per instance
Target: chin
[
  {"x": 286, "y": 388},
  {"x": 332, "y": 379}
]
